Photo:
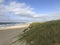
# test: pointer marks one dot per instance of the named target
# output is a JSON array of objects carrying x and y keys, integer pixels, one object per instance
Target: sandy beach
[{"x": 7, "y": 34}]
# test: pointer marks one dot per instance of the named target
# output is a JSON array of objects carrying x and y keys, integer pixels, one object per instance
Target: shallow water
[{"x": 10, "y": 24}]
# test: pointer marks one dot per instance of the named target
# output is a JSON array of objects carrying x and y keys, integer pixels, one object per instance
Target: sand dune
[{"x": 8, "y": 33}]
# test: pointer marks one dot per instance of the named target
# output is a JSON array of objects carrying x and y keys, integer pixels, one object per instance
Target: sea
[{"x": 6, "y": 24}]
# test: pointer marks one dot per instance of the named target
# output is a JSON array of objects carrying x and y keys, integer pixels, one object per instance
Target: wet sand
[{"x": 8, "y": 33}]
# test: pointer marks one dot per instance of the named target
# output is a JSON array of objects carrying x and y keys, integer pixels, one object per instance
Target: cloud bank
[
  {"x": 21, "y": 9},
  {"x": 23, "y": 12}
]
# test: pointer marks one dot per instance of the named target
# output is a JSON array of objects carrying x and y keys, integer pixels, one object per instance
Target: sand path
[{"x": 8, "y": 33}]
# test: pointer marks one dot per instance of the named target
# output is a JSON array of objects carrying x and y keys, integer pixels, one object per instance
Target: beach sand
[{"x": 7, "y": 34}]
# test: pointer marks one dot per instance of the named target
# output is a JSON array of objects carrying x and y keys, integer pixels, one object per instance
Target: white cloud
[
  {"x": 22, "y": 9},
  {"x": 48, "y": 17}
]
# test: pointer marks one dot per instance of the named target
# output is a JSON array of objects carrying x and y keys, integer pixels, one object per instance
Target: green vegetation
[{"x": 47, "y": 33}]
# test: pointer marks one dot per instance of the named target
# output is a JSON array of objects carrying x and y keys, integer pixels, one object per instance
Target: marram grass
[{"x": 47, "y": 33}]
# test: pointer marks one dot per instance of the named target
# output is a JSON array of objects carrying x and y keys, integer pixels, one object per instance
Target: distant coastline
[
  {"x": 12, "y": 23},
  {"x": 8, "y": 24}
]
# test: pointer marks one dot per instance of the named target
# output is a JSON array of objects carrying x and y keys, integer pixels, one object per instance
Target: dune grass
[{"x": 47, "y": 33}]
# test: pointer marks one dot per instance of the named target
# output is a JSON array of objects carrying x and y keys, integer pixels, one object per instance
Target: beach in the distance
[{"x": 8, "y": 33}]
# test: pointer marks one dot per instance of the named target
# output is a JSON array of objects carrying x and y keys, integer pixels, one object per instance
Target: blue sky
[
  {"x": 29, "y": 10},
  {"x": 43, "y": 6}
]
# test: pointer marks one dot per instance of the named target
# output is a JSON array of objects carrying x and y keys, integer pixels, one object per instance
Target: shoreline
[
  {"x": 15, "y": 26},
  {"x": 7, "y": 34}
]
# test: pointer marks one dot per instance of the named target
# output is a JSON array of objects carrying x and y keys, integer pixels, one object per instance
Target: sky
[{"x": 29, "y": 10}]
